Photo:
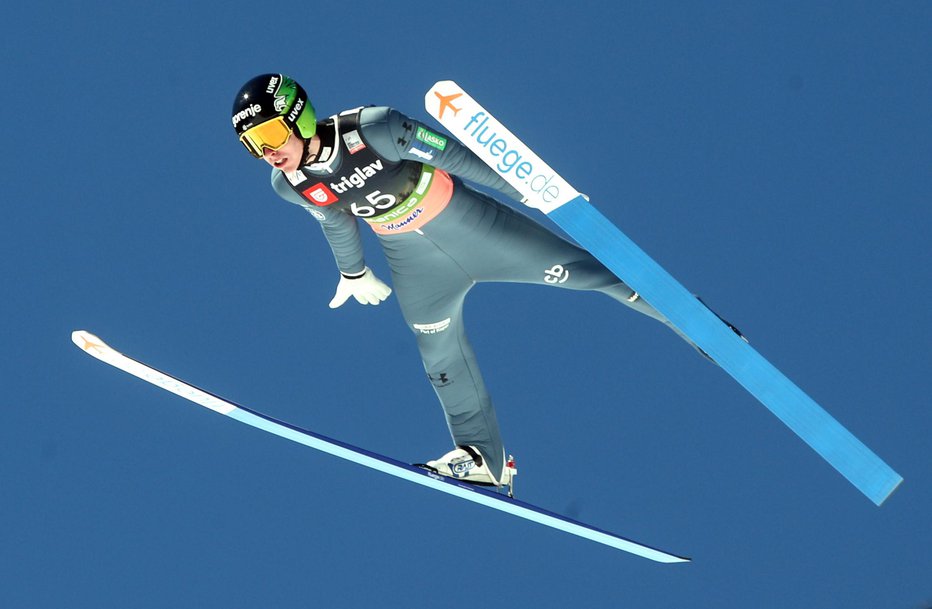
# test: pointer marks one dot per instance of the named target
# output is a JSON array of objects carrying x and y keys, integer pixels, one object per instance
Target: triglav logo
[{"x": 358, "y": 178}]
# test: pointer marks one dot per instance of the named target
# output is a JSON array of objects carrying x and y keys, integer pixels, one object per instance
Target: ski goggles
[{"x": 271, "y": 134}]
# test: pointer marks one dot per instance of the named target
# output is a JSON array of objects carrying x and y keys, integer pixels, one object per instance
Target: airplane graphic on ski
[{"x": 446, "y": 101}]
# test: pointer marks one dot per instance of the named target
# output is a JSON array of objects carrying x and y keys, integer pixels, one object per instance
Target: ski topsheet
[
  {"x": 545, "y": 190},
  {"x": 97, "y": 348}
]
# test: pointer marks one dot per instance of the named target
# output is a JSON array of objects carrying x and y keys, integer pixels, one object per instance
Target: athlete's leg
[
  {"x": 431, "y": 287},
  {"x": 502, "y": 244}
]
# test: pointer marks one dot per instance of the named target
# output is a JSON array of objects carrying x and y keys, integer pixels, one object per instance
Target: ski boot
[{"x": 466, "y": 463}]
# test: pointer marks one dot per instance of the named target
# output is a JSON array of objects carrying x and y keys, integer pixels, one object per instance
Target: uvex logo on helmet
[{"x": 298, "y": 106}]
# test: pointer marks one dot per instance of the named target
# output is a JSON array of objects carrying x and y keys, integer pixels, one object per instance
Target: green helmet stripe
[{"x": 307, "y": 121}]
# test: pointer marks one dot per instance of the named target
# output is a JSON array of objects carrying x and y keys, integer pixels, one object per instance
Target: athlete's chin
[
  {"x": 289, "y": 166},
  {"x": 286, "y": 164}
]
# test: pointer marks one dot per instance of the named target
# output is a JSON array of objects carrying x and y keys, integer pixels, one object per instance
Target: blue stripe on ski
[
  {"x": 95, "y": 347},
  {"x": 447, "y": 485},
  {"x": 593, "y": 231}
]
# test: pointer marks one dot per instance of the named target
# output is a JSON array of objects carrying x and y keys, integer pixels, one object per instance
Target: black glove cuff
[{"x": 354, "y": 275}]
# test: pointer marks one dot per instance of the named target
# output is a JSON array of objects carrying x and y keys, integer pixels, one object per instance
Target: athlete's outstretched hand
[{"x": 366, "y": 288}]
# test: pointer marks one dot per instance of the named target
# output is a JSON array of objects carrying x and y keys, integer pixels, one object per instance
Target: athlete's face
[{"x": 288, "y": 157}]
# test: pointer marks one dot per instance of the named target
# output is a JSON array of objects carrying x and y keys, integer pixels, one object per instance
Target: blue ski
[
  {"x": 97, "y": 348},
  {"x": 546, "y": 191}
]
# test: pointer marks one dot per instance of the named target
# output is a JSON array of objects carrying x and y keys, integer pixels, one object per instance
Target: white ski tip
[
  {"x": 82, "y": 337},
  {"x": 441, "y": 97},
  {"x": 88, "y": 342}
]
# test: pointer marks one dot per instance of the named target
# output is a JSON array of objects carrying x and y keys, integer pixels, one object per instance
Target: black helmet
[{"x": 271, "y": 97}]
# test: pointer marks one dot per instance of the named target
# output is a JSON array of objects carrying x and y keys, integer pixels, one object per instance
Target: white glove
[{"x": 366, "y": 288}]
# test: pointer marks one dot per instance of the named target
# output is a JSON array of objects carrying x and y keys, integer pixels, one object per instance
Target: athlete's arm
[{"x": 340, "y": 229}]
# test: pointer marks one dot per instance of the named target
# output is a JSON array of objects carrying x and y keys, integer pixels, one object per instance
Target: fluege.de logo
[
  {"x": 486, "y": 136},
  {"x": 542, "y": 187}
]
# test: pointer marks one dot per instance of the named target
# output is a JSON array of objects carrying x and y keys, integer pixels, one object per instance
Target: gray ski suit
[{"x": 440, "y": 237}]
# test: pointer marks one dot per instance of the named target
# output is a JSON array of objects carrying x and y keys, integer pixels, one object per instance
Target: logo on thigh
[
  {"x": 556, "y": 274},
  {"x": 432, "y": 328},
  {"x": 440, "y": 379}
]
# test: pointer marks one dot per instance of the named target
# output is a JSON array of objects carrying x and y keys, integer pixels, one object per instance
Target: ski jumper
[{"x": 440, "y": 237}]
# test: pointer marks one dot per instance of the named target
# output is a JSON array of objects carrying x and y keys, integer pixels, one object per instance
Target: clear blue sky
[{"x": 775, "y": 157}]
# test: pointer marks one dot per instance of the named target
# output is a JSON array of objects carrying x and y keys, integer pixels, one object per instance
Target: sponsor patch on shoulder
[
  {"x": 431, "y": 139},
  {"x": 353, "y": 141},
  {"x": 421, "y": 152}
]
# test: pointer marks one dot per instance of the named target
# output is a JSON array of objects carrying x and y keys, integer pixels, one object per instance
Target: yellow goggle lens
[{"x": 270, "y": 134}]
